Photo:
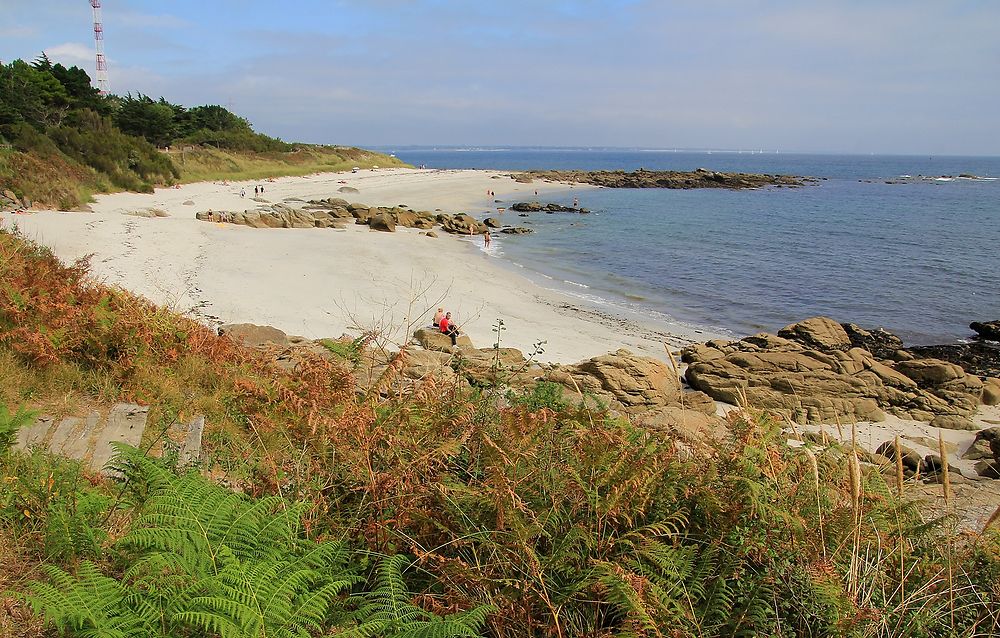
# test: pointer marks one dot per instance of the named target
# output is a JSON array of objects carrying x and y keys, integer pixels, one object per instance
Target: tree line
[{"x": 48, "y": 109}]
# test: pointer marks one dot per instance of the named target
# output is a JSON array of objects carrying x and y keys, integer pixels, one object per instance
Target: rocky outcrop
[
  {"x": 9, "y": 201},
  {"x": 383, "y": 222},
  {"x": 461, "y": 224},
  {"x": 820, "y": 333},
  {"x": 813, "y": 373},
  {"x": 537, "y": 207},
  {"x": 911, "y": 458},
  {"x": 275, "y": 216},
  {"x": 881, "y": 343},
  {"x": 433, "y": 339},
  {"x": 516, "y": 230},
  {"x": 987, "y": 330},
  {"x": 991, "y": 391},
  {"x": 641, "y": 178},
  {"x": 332, "y": 212},
  {"x": 252, "y": 335},
  {"x": 986, "y": 445},
  {"x": 626, "y": 382}
]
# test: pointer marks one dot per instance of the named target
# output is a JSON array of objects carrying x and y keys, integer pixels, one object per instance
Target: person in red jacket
[{"x": 450, "y": 329}]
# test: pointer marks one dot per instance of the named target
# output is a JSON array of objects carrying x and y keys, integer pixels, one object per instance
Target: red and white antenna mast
[{"x": 103, "y": 84}]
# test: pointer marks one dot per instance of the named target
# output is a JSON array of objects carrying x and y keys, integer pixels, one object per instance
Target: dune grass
[
  {"x": 207, "y": 164},
  {"x": 54, "y": 180}
]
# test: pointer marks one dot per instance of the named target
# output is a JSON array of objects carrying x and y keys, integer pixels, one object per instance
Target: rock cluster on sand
[
  {"x": 338, "y": 213},
  {"x": 813, "y": 372},
  {"x": 641, "y": 178}
]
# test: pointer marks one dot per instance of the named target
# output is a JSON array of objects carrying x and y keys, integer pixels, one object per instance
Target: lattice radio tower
[{"x": 103, "y": 84}]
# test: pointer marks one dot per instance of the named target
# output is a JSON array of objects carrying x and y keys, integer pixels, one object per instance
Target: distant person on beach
[
  {"x": 486, "y": 239},
  {"x": 437, "y": 317},
  {"x": 256, "y": 191},
  {"x": 243, "y": 192},
  {"x": 450, "y": 329}
]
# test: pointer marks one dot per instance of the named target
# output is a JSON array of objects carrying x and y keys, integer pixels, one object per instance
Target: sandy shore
[{"x": 324, "y": 283}]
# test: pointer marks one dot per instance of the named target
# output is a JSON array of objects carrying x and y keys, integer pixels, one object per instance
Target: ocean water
[{"x": 920, "y": 258}]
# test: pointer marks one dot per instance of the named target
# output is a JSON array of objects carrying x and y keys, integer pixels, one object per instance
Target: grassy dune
[
  {"x": 51, "y": 179},
  {"x": 204, "y": 164}
]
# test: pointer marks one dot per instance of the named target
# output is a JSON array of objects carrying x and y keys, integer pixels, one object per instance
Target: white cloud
[{"x": 71, "y": 53}]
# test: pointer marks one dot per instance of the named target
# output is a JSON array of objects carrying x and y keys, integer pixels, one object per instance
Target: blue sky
[{"x": 905, "y": 76}]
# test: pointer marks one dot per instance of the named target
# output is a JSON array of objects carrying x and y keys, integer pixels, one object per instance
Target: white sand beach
[{"x": 325, "y": 283}]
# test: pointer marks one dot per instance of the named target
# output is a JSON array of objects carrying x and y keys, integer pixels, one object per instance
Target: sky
[{"x": 841, "y": 76}]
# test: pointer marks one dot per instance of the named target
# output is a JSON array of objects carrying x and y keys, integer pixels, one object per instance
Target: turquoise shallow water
[{"x": 920, "y": 258}]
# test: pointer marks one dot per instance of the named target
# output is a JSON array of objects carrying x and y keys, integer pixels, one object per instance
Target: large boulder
[
  {"x": 820, "y": 333},
  {"x": 988, "y": 330},
  {"x": 498, "y": 365},
  {"x": 953, "y": 422},
  {"x": 692, "y": 426},
  {"x": 991, "y": 391},
  {"x": 911, "y": 458},
  {"x": 433, "y": 339},
  {"x": 383, "y": 222},
  {"x": 624, "y": 380},
  {"x": 928, "y": 372},
  {"x": 982, "y": 445},
  {"x": 253, "y": 335}
]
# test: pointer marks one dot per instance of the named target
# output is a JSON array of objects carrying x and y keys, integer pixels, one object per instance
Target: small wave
[{"x": 573, "y": 283}]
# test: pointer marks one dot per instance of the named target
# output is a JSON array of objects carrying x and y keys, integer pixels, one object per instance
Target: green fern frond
[
  {"x": 11, "y": 423},
  {"x": 90, "y": 604},
  {"x": 387, "y": 611}
]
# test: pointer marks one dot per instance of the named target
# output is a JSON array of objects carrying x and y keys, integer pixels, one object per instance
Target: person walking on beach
[
  {"x": 486, "y": 239},
  {"x": 256, "y": 191},
  {"x": 438, "y": 316}
]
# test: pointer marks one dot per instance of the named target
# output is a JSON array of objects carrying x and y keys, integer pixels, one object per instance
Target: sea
[{"x": 898, "y": 242}]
